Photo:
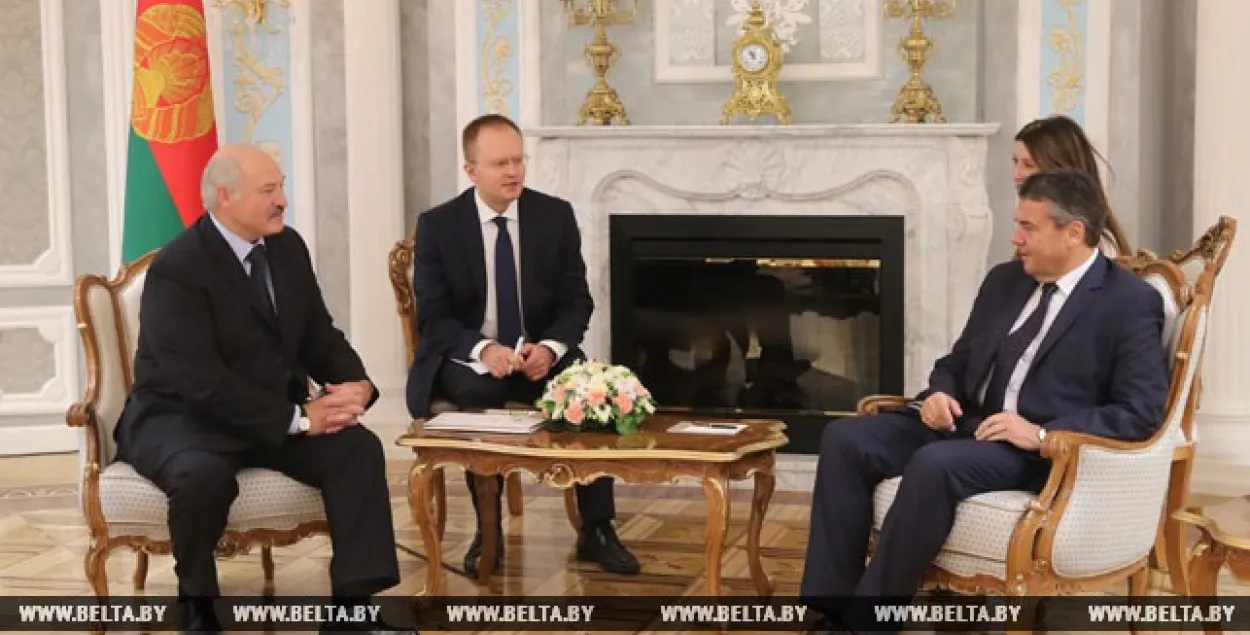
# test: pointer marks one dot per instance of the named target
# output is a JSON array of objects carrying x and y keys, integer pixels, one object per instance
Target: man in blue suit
[{"x": 1059, "y": 339}]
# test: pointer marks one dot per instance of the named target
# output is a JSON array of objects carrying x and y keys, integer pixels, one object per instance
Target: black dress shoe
[
  {"x": 197, "y": 616},
  {"x": 597, "y": 542},
  {"x": 475, "y": 552}
]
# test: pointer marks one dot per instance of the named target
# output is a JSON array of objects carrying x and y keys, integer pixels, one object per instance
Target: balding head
[{"x": 242, "y": 187}]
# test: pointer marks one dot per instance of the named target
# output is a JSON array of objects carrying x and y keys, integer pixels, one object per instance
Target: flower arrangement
[{"x": 596, "y": 396}]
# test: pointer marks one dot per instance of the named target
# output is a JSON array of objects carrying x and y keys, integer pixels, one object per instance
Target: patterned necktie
[
  {"x": 1010, "y": 350},
  {"x": 260, "y": 279},
  {"x": 507, "y": 304}
]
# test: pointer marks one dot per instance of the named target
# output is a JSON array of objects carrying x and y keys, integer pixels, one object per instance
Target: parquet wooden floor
[{"x": 43, "y": 539}]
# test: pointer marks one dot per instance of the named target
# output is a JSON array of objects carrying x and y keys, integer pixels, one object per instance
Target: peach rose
[
  {"x": 596, "y": 397},
  {"x": 574, "y": 414},
  {"x": 625, "y": 404}
]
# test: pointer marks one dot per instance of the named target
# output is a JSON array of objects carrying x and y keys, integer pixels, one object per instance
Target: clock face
[{"x": 753, "y": 57}]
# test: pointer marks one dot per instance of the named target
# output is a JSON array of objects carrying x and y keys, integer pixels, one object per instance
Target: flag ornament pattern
[{"x": 172, "y": 127}]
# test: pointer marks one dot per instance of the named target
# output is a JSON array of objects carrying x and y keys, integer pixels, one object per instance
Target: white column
[
  {"x": 1221, "y": 132},
  {"x": 117, "y": 43},
  {"x": 374, "y": 181}
]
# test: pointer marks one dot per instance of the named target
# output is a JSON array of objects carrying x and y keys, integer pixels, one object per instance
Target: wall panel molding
[
  {"x": 54, "y": 267},
  {"x": 57, "y": 326}
]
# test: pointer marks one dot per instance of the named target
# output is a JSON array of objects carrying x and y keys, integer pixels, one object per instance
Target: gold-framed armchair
[
  {"x": 1098, "y": 518},
  {"x": 1201, "y": 265},
  {"x": 123, "y": 509},
  {"x": 400, "y": 271}
]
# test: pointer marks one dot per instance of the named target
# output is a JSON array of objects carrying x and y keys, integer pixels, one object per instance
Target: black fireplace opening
[{"x": 785, "y": 317}]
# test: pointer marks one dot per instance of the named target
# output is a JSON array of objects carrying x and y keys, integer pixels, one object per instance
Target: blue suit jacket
[{"x": 1101, "y": 368}]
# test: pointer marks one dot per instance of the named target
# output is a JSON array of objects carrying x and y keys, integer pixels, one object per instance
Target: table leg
[
  {"x": 764, "y": 483},
  {"x": 487, "y": 489},
  {"x": 715, "y": 487},
  {"x": 1204, "y": 571},
  {"x": 440, "y": 494},
  {"x": 420, "y": 488}
]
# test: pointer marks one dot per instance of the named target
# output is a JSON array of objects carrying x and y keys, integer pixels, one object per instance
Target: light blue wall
[
  {"x": 1063, "y": 72},
  {"x": 260, "y": 69},
  {"x": 499, "y": 70}
]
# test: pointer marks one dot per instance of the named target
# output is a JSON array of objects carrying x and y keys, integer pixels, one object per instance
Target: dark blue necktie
[
  {"x": 507, "y": 305},
  {"x": 260, "y": 279},
  {"x": 1010, "y": 350}
]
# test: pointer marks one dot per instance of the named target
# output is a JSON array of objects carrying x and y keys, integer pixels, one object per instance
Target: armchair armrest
[
  {"x": 877, "y": 404},
  {"x": 1099, "y": 509},
  {"x": 82, "y": 414}
]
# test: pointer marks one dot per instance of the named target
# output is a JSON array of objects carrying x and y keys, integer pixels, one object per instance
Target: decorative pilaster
[
  {"x": 497, "y": 62},
  {"x": 117, "y": 28},
  {"x": 1064, "y": 63},
  {"x": 1220, "y": 132},
  {"x": 375, "y": 190}
]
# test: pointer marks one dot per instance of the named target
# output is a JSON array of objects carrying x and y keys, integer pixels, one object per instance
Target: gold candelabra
[
  {"x": 602, "y": 105},
  {"x": 916, "y": 102}
]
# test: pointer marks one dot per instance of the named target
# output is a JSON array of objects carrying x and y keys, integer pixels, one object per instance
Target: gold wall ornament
[
  {"x": 1068, "y": 43},
  {"x": 259, "y": 84},
  {"x": 496, "y": 50},
  {"x": 757, "y": 61},
  {"x": 916, "y": 102},
  {"x": 602, "y": 105}
]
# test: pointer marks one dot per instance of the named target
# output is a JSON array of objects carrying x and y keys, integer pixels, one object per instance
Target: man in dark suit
[
  {"x": 233, "y": 325},
  {"x": 502, "y": 305},
  {"x": 1059, "y": 339}
]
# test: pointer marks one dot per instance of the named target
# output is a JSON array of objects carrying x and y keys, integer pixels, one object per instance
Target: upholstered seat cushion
[
  {"x": 983, "y": 526},
  {"x": 133, "y": 505}
]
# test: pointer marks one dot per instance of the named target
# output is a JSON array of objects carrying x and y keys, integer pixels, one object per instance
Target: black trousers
[
  {"x": 467, "y": 389},
  {"x": 939, "y": 470},
  {"x": 349, "y": 469}
]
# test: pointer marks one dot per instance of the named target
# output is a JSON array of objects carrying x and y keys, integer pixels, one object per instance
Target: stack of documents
[
  {"x": 707, "y": 427},
  {"x": 490, "y": 422}
]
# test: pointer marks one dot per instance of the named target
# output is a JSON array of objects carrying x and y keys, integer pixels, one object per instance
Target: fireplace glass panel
[{"x": 757, "y": 334}]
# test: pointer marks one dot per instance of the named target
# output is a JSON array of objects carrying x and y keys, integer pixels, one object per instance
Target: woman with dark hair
[{"x": 1058, "y": 142}]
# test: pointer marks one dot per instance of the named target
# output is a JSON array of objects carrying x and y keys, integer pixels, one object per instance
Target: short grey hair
[
  {"x": 1073, "y": 196},
  {"x": 222, "y": 170}
]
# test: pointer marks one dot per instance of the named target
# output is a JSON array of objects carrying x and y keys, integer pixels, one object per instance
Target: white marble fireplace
[{"x": 932, "y": 175}]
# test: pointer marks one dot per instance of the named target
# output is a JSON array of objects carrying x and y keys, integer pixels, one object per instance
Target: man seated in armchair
[
  {"x": 502, "y": 306},
  {"x": 232, "y": 328},
  {"x": 1060, "y": 338}
]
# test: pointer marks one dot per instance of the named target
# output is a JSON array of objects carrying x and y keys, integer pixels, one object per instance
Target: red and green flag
[{"x": 172, "y": 127}]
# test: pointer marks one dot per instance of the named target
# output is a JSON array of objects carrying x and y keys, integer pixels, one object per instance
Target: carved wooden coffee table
[{"x": 565, "y": 459}]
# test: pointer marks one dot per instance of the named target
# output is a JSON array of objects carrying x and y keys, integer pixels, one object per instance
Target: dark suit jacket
[
  {"x": 1101, "y": 368},
  {"x": 449, "y": 281},
  {"x": 212, "y": 372}
]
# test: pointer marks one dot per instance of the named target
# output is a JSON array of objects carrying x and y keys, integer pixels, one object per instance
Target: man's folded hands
[{"x": 340, "y": 407}]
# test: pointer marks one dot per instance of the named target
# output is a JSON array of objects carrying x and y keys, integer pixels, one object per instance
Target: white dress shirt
[
  {"x": 490, "y": 233},
  {"x": 1063, "y": 291},
  {"x": 242, "y": 248}
]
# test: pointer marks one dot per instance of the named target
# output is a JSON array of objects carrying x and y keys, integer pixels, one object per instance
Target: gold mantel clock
[{"x": 757, "y": 62}]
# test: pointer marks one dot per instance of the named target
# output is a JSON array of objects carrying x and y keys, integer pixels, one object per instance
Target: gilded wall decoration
[
  {"x": 1067, "y": 41},
  {"x": 497, "y": 41},
  {"x": 259, "y": 85}
]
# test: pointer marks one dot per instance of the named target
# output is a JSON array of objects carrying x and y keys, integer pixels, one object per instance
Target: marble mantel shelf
[
  {"x": 931, "y": 175},
  {"x": 773, "y": 131}
]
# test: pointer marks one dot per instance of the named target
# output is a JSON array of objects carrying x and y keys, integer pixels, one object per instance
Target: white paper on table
[
  {"x": 496, "y": 422},
  {"x": 707, "y": 427}
]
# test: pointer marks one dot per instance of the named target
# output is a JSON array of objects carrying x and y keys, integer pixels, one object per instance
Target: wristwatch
[
  {"x": 1041, "y": 434},
  {"x": 304, "y": 424}
]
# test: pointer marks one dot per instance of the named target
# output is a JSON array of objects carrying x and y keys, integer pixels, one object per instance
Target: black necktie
[
  {"x": 507, "y": 306},
  {"x": 1010, "y": 350},
  {"x": 259, "y": 279}
]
